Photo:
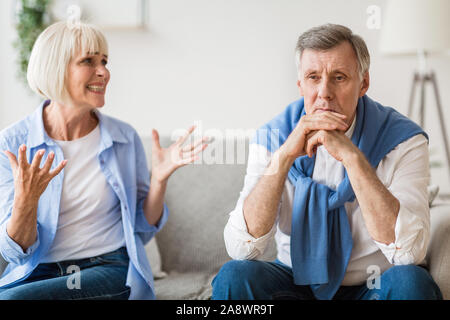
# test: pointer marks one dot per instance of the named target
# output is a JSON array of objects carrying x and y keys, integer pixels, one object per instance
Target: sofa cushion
[
  {"x": 184, "y": 286},
  {"x": 154, "y": 258}
]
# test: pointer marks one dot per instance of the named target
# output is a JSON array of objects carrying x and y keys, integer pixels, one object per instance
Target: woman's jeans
[
  {"x": 97, "y": 278},
  {"x": 263, "y": 280}
]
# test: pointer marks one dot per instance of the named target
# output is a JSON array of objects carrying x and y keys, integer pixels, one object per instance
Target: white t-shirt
[
  {"x": 404, "y": 172},
  {"x": 90, "y": 221}
]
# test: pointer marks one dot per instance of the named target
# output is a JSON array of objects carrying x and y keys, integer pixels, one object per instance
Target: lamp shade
[{"x": 410, "y": 26}]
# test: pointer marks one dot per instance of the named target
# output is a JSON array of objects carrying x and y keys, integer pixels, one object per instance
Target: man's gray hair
[{"x": 328, "y": 36}]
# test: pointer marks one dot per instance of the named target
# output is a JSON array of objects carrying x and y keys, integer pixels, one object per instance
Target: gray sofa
[
  {"x": 191, "y": 245},
  {"x": 189, "y": 250}
]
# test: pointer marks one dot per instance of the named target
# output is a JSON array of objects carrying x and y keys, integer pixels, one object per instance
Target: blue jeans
[
  {"x": 263, "y": 280},
  {"x": 98, "y": 278}
]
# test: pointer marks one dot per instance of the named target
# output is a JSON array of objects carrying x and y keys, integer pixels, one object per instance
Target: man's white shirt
[{"x": 404, "y": 172}]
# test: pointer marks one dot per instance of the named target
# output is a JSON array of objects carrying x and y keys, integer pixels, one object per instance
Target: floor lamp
[
  {"x": 421, "y": 80},
  {"x": 421, "y": 28}
]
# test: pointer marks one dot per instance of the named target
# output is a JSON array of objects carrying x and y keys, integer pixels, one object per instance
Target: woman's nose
[{"x": 101, "y": 71}]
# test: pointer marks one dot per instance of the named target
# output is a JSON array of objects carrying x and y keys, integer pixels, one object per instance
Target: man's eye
[
  {"x": 340, "y": 78},
  {"x": 313, "y": 77}
]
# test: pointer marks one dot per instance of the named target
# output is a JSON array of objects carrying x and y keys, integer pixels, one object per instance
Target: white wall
[{"x": 225, "y": 63}]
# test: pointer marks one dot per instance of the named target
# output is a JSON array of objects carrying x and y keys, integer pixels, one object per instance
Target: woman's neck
[{"x": 67, "y": 122}]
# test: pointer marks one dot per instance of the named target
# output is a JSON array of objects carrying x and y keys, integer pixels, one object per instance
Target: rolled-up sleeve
[
  {"x": 410, "y": 186},
  {"x": 13, "y": 252},
  {"x": 146, "y": 230},
  {"x": 142, "y": 224},
  {"x": 239, "y": 243}
]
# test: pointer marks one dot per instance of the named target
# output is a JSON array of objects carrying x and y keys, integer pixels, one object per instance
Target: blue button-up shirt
[{"x": 122, "y": 160}]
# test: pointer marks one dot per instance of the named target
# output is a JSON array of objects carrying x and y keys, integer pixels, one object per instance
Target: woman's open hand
[
  {"x": 166, "y": 160},
  {"x": 30, "y": 180}
]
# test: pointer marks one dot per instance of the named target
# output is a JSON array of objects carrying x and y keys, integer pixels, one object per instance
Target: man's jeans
[
  {"x": 97, "y": 278},
  {"x": 262, "y": 280}
]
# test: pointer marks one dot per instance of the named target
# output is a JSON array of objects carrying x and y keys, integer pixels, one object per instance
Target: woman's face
[{"x": 87, "y": 78}]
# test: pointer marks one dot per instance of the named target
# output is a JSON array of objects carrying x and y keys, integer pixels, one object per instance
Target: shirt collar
[
  {"x": 37, "y": 135},
  {"x": 109, "y": 130}
]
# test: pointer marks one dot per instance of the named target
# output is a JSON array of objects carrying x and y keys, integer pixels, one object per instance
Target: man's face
[{"x": 329, "y": 81}]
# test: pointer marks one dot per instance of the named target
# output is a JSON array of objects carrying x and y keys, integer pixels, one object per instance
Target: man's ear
[
  {"x": 300, "y": 89},
  {"x": 365, "y": 84}
]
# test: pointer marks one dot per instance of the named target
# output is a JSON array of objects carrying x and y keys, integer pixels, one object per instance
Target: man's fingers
[
  {"x": 325, "y": 124},
  {"x": 332, "y": 117},
  {"x": 12, "y": 159},
  {"x": 313, "y": 126},
  {"x": 338, "y": 117},
  {"x": 58, "y": 169},
  {"x": 311, "y": 143},
  {"x": 343, "y": 116}
]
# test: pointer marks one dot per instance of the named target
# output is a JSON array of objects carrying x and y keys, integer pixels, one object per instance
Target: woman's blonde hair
[{"x": 52, "y": 52}]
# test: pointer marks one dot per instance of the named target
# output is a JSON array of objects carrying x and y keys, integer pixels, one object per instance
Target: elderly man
[{"x": 341, "y": 182}]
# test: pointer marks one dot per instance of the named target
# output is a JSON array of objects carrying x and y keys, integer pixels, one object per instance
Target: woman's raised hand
[
  {"x": 30, "y": 180},
  {"x": 166, "y": 160}
]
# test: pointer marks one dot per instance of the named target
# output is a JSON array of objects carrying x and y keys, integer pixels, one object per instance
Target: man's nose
[{"x": 325, "y": 90}]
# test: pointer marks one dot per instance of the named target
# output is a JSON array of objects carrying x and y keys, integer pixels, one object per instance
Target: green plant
[{"x": 31, "y": 21}]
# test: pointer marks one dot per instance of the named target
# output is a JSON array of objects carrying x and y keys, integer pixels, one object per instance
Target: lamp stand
[{"x": 422, "y": 78}]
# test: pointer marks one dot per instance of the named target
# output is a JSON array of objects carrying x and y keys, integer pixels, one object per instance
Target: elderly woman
[{"x": 78, "y": 204}]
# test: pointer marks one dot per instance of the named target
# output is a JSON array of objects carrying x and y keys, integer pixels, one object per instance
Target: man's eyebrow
[
  {"x": 343, "y": 71},
  {"x": 309, "y": 71},
  {"x": 334, "y": 71}
]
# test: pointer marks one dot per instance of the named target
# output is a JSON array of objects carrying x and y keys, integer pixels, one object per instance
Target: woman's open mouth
[{"x": 98, "y": 89}]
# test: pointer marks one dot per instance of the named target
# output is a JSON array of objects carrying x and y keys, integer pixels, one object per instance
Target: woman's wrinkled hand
[
  {"x": 31, "y": 180},
  {"x": 166, "y": 160}
]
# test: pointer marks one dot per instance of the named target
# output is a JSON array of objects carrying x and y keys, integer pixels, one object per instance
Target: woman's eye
[
  {"x": 87, "y": 60},
  {"x": 104, "y": 62}
]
